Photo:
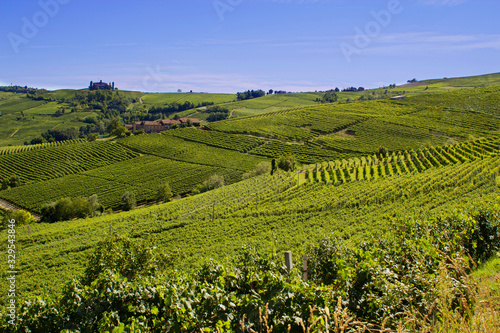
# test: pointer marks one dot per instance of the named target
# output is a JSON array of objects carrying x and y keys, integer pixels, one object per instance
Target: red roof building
[{"x": 163, "y": 125}]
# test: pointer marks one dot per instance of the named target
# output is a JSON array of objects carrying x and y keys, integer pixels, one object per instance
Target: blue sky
[{"x": 235, "y": 45}]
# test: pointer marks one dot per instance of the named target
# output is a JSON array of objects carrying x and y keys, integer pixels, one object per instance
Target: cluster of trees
[
  {"x": 60, "y": 135},
  {"x": 13, "y": 181},
  {"x": 217, "y": 113},
  {"x": 121, "y": 132},
  {"x": 95, "y": 124},
  {"x": 270, "y": 92},
  {"x": 329, "y": 97},
  {"x": 22, "y": 90},
  {"x": 128, "y": 201},
  {"x": 110, "y": 103},
  {"x": 261, "y": 169},
  {"x": 57, "y": 135},
  {"x": 215, "y": 181},
  {"x": 249, "y": 94},
  {"x": 176, "y": 107},
  {"x": 285, "y": 163},
  {"x": 354, "y": 89},
  {"x": 163, "y": 194},
  {"x": 60, "y": 111},
  {"x": 172, "y": 108},
  {"x": 69, "y": 208},
  {"x": 21, "y": 217}
]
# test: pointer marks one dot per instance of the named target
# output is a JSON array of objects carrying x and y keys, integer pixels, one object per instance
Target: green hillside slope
[{"x": 260, "y": 211}]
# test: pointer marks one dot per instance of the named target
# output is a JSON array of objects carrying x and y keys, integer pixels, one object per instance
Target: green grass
[
  {"x": 488, "y": 281},
  {"x": 6, "y": 95},
  {"x": 60, "y": 94},
  {"x": 47, "y": 109},
  {"x": 490, "y": 270},
  {"x": 271, "y": 103},
  {"x": 18, "y": 104},
  {"x": 33, "y": 196},
  {"x": 362, "y": 127},
  {"x": 291, "y": 125},
  {"x": 486, "y": 80},
  {"x": 353, "y": 197},
  {"x": 302, "y": 153},
  {"x": 241, "y": 143},
  {"x": 15, "y": 130}
]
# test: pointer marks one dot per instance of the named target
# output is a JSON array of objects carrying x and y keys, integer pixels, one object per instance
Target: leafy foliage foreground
[{"x": 129, "y": 287}]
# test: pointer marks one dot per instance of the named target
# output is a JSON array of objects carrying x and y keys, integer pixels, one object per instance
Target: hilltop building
[{"x": 101, "y": 85}]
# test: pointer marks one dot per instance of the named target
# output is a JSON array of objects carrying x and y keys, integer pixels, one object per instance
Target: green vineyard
[
  {"x": 399, "y": 163},
  {"x": 141, "y": 175},
  {"x": 57, "y": 161},
  {"x": 291, "y": 125},
  {"x": 303, "y": 153},
  {"x": 260, "y": 209},
  {"x": 20, "y": 149},
  {"x": 240, "y": 143},
  {"x": 34, "y": 196},
  {"x": 368, "y": 136},
  {"x": 171, "y": 147}
]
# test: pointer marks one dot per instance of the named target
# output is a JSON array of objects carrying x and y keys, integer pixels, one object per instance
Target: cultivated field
[{"x": 394, "y": 202}]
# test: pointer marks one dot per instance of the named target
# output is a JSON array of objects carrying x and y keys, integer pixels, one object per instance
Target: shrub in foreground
[{"x": 402, "y": 283}]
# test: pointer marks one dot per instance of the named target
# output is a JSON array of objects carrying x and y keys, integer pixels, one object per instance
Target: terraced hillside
[
  {"x": 363, "y": 127},
  {"x": 399, "y": 163},
  {"x": 317, "y": 134},
  {"x": 18, "y": 149},
  {"x": 365, "y": 170},
  {"x": 57, "y": 161},
  {"x": 266, "y": 211},
  {"x": 141, "y": 164}
]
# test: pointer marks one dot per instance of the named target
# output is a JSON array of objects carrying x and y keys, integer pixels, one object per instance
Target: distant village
[{"x": 149, "y": 126}]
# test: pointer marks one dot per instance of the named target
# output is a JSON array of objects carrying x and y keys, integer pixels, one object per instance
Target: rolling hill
[{"x": 366, "y": 171}]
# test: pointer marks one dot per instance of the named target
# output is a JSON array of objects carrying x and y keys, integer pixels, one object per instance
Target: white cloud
[
  {"x": 443, "y": 2},
  {"x": 425, "y": 42}
]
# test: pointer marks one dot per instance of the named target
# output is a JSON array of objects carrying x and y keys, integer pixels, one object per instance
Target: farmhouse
[{"x": 163, "y": 125}]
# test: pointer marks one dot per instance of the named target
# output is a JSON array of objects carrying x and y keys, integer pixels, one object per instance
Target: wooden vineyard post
[
  {"x": 304, "y": 267},
  {"x": 288, "y": 261}
]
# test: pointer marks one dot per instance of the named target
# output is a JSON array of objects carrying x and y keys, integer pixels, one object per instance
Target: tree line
[{"x": 249, "y": 94}]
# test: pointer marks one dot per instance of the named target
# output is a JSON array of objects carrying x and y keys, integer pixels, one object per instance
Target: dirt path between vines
[{"x": 8, "y": 206}]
